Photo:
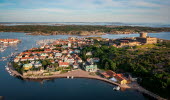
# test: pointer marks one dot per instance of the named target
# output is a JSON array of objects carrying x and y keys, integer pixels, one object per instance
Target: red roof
[
  {"x": 63, "y": 63},
  {"x": 47, "y": 50},
  {"x": 26, "y": 52},
  {"x": 109, "y": 73},
  {"x": 9, "y": 40},
  {"x": 25, "y": 58},
  {"x": 120, "y": 77}
]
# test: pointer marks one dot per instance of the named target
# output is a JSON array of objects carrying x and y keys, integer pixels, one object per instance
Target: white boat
[
  {"x": 116, "y": 88},
  {"x": 2, "y": 49},
  {"x": 7, "y": 68}
]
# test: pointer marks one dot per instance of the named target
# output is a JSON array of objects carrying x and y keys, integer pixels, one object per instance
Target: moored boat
[{"x": 116, "y": 88}]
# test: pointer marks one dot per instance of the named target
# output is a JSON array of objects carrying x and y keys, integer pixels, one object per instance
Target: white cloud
[{"x": 89, "y": 10}]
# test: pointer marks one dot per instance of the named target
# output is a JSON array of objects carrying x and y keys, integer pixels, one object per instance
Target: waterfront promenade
[
  {"x": 72, "y": 74},
  {"x": 83, "y": 74}
]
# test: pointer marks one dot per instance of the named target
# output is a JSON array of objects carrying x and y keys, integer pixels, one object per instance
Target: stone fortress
[{"x": 133, "y": 41}]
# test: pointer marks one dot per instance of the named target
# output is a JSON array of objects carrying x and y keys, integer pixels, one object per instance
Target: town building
[
  {"x": 121, "y": 79},
  {"x": 27, "y": 66},
  {"x": 9, "y": 41},
  {"x": 133, "y": 41},
  {"x": 146, "y": 39},
  {"x": 63, "y": 64},
  {"x": 108, "y": 74},
  {"x": 90, "y": 67},
  {"x": 114, "y": 77}
]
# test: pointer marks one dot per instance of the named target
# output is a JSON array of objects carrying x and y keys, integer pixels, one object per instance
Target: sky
[{"x": 134, "y": 11}]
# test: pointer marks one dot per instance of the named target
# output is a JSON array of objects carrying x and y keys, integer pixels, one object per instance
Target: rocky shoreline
[
  {"x": 86, "y": 33},
  {"x": 79, "y": 33}
]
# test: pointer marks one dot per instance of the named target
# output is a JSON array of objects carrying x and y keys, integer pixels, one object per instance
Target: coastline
[
  {"x": 54, "y": 76},
  {"x": 71, "y": 75},
  {"x": 28, "y": 33},
  {"x": 81, "y": 30}
]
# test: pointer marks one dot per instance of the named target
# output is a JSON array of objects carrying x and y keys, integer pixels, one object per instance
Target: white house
[
  {"x": 88, "y": 53},
  {"x": 16, "y": 60},
  {"x": 75, "y": 65}
]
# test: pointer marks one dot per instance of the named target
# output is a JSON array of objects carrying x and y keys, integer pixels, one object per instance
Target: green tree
[
  {"x": 44, "y": 63},
  {"x": 107, "y": 66}
]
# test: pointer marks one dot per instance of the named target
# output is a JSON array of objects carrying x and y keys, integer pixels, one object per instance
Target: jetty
[{"x": 145, "y": 91}]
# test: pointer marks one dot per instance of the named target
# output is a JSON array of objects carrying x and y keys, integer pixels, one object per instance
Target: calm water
[{"x": 16, "y": 89}]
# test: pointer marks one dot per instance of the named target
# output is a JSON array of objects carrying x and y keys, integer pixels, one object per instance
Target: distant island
[{"x": 82, "y": 30}]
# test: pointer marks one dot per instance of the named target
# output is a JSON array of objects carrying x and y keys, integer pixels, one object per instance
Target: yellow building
[
  {"x": 27, "y": 66},
  {"x": 121, "y": 79}
]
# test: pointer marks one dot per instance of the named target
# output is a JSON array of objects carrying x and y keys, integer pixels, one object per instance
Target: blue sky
[{"x": 146, "y": 11}]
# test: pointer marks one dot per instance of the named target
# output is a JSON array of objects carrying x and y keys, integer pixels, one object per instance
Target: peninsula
[
  {"x": 141, "y": 60},
  {"x": 82, "y": 30}
]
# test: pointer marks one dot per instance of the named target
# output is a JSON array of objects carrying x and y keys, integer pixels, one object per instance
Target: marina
[{"x": 9, "y": 57}]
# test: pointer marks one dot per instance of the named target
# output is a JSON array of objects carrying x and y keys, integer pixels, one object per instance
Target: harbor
[
  {"x": 24, "y": 84},
  {"x": 83, "y": 74}
]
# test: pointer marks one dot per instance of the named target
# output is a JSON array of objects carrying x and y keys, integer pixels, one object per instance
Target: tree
[
  {"x": 113, "y": 65},
  {"x": 44, "y": 63},
  {"x": 106, "y": 66}
]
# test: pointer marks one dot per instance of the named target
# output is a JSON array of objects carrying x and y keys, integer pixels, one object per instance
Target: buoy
[
  {"x": 72, "y": 77},
  {"x": 67, "y": 76}
]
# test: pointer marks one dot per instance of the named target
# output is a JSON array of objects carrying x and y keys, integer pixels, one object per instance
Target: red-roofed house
[
  {"x": 108, "y": 74},
  {"x": 63, "y": 64},
  {"x": 121, "y": 79},
  {"x": 16, "y": 59},
  {"x": 24, "y": 58},
  {"x": 47, "y": 50}
]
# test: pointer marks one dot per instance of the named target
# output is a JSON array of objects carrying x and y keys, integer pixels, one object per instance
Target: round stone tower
[{"x": 143, "y": 35}]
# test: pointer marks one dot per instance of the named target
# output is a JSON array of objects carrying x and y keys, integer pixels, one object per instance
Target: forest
[{"x": 150, "y": 65}]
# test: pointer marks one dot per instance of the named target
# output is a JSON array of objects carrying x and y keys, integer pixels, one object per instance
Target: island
[
  {"x": 82, "y": 30},
  {"x": 140, "y": 63}
]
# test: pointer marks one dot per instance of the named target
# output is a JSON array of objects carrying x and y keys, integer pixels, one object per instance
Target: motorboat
[{"x": 116, "y": 88}]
